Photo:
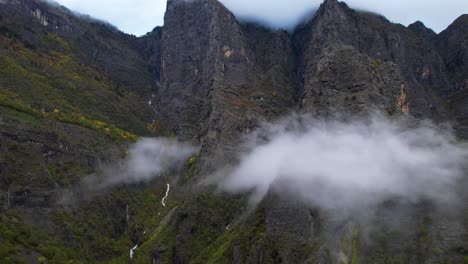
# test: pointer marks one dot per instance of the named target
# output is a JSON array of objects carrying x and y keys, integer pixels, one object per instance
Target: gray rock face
[
  {"x": 419, "y": 28},
  {"x": 349, "y": 82},
  {"x": 419, "y": 63},
  {"x": 211, "y": 78},
  {"x": 452, "y": 44},
  {"x": 210, "y": 61},
  {"x": 220, "y": 79}
]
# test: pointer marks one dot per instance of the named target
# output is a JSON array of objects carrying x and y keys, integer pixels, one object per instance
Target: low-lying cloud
[
  {"x": 147, "y": 159},
  {"x": 288, "y": 14},
  {"x": 274, "y": 14},
  {"x": 340, "y": 166}
]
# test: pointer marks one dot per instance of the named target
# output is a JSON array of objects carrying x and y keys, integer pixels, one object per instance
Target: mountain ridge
[{"x": 75, "y": 94}]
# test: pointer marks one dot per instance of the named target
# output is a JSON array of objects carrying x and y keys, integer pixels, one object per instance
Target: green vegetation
[
  {"x": 376, "y": 63},
  {"x": 355, "y": 245},
  {"x": 189, "y": 172},
  {"x": 201, "y": 243},
  {"x": 11, "y": 100},
  {"x": 96, "y": 237},
  {"x": 19, "y": 239},
  {"x": 63, "y": 115},
  {"x": 60, "y": 118},
  {"x": 350, "y": 246},
  {"x": 95, "y": 232},
  {"x": 54, "y": 78}
]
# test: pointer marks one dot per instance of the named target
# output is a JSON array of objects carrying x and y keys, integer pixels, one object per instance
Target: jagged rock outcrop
[
  {"x": 419, "y": 28},
  {"x": 347, "y": 82},
  {"x": 342, "y": 61},
  {"x": 419, "y": 63},
  {"x": 220, "y": 79},
  {"x": 452, "y": 44},
  {"x": 211, "y": 78}
]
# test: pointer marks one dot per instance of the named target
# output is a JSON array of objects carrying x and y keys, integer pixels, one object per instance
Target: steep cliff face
[
  {"x": 150, "y": 46},
  {"x": 211, "y": 78},
  {"x": 192, "y": 61},
  {"x": 420, "y": 66},
  {"x": 220, "y": 79},
  {"x": 452, "y": 44},
  {"x": 71, "y": 88}
]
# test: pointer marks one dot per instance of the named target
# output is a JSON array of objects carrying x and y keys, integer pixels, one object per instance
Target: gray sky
[{"x": 140, "y": 16}]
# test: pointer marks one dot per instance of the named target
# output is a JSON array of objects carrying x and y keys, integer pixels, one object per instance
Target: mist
[
  {"x": 139, "y": 17},
  {"x": 278, "y": 14},
  {"x": 348, "y": 166},
  {"x": 147, "y": 159},
  {"x": 273, "y": 14}
]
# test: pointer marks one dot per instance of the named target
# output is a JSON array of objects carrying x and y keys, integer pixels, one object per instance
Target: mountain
[
  {"x": 76, "y": 92},
  {"x": 452, "y": 44}
]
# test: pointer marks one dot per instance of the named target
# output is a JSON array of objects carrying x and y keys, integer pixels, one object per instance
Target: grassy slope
[
  {"x": 54, "y": 79},
  {"x": 59, "y": 118}
]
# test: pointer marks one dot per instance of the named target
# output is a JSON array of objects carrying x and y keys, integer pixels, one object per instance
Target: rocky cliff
[{"x": 74, "y": 92}]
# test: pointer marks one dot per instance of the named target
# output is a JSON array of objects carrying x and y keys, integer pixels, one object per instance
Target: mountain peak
[
  {"x": 463, "y": 18},
  {"x": 461, "y": 22},
  {"x": 418, "y": 24},
  {"x": 421, "y": 29},
  {"x": 331, "y": 5},
  {"x": 460, "y": 25},
  {"x": 205, "y": 4},
  {"x": 332, "y": 9},
  {"x": 171, "y": 2}
]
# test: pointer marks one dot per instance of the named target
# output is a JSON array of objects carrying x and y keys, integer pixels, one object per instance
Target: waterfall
[
  {"x": 132, "y": 251},
  {"x": 163, "y": 201}
]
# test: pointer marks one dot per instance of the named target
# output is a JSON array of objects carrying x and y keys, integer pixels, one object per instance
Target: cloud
[
  {"x": 273, "y": 13},
  {"x": 436, "y": 14},
  {"x": 141, "y": 16},
  {"x": 348, "y": 166},
  {"x": 147, "y": 159}
]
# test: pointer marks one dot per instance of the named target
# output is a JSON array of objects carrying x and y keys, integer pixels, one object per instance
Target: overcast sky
[{"x": 140, "y": 16}]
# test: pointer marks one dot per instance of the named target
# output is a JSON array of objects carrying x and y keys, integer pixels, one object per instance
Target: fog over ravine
[{"x": 348, "y": 166}]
